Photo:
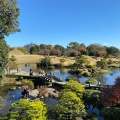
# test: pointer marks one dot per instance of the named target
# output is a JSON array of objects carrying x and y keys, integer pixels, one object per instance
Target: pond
[
  {"x": 63, "y": 74},
  {"x": 12, "y": 96}
]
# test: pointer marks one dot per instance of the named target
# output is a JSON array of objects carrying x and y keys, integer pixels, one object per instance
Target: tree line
[{"x": 73, "y": 49}]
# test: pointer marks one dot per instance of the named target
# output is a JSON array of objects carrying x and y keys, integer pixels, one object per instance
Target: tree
[
  {"x": 82, "y": 49},
  {"x": 62, "y": 62},
  {"x": 110, "y": 113},
  {"x": 111, "y": 96},
  {"x": 26, "y": 110},
  {"x": 101, "y": 53},
  {"x": 113, "y": 51},
  {"x": 12, "y": 58},
  {"x": 111, "y": 101},
  {"x": 12, "y": 65},
  {"x": 56, "y": 52},
  {"x": 75, "y": 87},
  {"x": 69, "y": 106},
  {"x": 102, "y": 63},
  {"x": 42, "y": 46},
  {"x": 3, "y": 58},
  {"x": 59, "y": 47},
  {"x": 92, "y": 98},
  {"x": 94, "y": 49},
  {"x": 74, "y": 45},
  {"x": 72, "y": 52},
  {"x": 50, "y": 47},
  {"x": 44, "y": 52},
  {"x": 45, "y": 62},
  {"x": 80, "y": 60},
  {"x": 33, "y": 50},
  {"x": 8, "y": 24},
  {"x": 8, "y": 17},
  {"x": 92, "y": 81}
]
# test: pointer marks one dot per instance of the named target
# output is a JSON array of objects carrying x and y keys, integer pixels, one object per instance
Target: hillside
[
  {"x": 28, "y": 58},
  {"x": 15, "y": 52}
]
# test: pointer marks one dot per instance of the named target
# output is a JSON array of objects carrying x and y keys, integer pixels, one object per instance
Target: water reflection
[{"x": 63, "y": 74}]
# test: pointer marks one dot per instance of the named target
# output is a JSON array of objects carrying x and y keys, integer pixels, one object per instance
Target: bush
[
  {"x": 9, "y": 84},
  {"x": 104, "y": 71},
  {"x": 67, "y": 79},
  {"x": 51, "y": 67},
  {"x": 29, "y": 83},
  {"x": 90, "y": 66},
  {"x": 92, "y": 81},
  {"x": 78, "y": 72},
  {"x": 113, "y": 65},
  {"x": 86, "y": 74}
]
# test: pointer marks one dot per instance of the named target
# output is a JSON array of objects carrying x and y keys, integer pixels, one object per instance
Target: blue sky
[{"x": 64, "y": 21}]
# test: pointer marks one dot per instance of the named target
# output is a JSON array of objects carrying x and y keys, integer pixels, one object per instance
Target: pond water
[
  {"x": 63, "y": 74},
  {"x": 12, "y": 96}
]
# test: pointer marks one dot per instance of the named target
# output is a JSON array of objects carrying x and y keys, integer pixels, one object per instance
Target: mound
[{"x": 16, "y": 52}]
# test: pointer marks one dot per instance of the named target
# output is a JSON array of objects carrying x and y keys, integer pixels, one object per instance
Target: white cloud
[{"x": 105, "y": 43}]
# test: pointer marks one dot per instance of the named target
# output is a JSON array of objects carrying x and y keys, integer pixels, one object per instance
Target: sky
[{"x": 64, "y": 21}]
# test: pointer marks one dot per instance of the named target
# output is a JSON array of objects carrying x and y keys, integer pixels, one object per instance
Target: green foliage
[
  {"x": 62, "y": 62},
  {"x": 78, "y": 72},
  {"x": 110, "y": 61},
  {"x": 51, "y": 67},
  {"x": 92, "y": 81},
  {"x": 69, "y": 104},
  {"x": 94, "y": 49},
  {"x": 10, "y": 84},
  {"x": 8, "y": 17},
  {"x": 3, "y": 57},
  {"x": 74, "y": 45},
  {"x": 93, "y": 97},
  {"x": 12, "y": 64},
  {"x": 26, "y": 110},
  {"x": 29, "y": 83},
  {"x": 91, "y": 117},
  {"x": 102, "y": 63},
  {"x": 33, "y": 50},
  {"x": 22, "y": 49},
  {"x": 75, "y": 87},
  {"x": 90, "y": 66},
  {"x": 113, "y": 51},
  {"x": 111, "y": 113},
  {"x": 80, "y": 60},
  {"x": 8, "y": 24},
  {"x": 45, "y": 62},
  {"x": 113, "y": 65},
  {"x": 105, "y": 71},
  {"x": 86, "y": 73},
  {"x": 67, "y": 79},
  {"x": 59, "y": 47},
  {"x": 12, "y": 58}
]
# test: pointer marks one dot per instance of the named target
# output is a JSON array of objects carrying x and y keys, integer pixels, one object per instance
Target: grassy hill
[
  {"x": 27, "y": 58},
  {"x": 15, "y": 52}
]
